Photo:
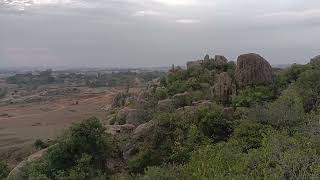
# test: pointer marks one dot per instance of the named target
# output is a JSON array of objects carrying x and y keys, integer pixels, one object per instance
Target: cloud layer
[{"x": 155, "y": 32}]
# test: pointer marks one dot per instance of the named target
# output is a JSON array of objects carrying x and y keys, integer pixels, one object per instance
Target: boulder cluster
[
  {"x": 251, "y": 69},
  {"x": 218, "y": 60}
]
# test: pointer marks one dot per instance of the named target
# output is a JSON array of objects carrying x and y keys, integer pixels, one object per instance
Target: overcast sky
[{"x": 155, "y": 32}]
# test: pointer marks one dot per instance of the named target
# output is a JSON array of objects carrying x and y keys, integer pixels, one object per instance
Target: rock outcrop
[
  {"x": 194, "y": 64},
  {"x": 127, "y": 116},
  {"x": 118, "y": 129},
  {"x": 18, "y": 173},
  {"x": 182, "y": 99},
  {"x": 252, "y": 69},
  {"x": 223, "y": 87},
  {"x": 165, "y": 105},
  {"x": 220, "y": 60}
]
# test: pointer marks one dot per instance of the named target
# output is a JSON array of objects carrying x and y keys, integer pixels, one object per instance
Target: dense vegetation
[
  {"x": 81, "y": 153},
  {"x": 82, "y": 79},
  {"x": 4, "y": 170},
  {"x": 271, "y": 132}
]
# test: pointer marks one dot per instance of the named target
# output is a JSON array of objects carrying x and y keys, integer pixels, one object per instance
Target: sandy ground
[{"x": 21, "y": 125}]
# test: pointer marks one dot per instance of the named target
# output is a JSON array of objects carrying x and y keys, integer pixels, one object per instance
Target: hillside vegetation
[{"x": 215, "y": 120}]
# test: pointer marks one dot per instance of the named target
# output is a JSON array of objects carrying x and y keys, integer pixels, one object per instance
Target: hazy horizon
[{"x": 153, "y": 33}]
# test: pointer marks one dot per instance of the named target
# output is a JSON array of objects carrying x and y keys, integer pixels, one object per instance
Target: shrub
[
  {"x": 158, "y": 173},
  {"x": 4, "y": 170},
  {"x": 161, "y": 93},
  {"x": 215, "y": 126},
  {"x": 249, "y": 134},
  {"x": 39, "y": 144},
  {"x": 254, "y": 95},
  {"x": 308, "y": 87},
  {"x": 279, "y": 157},
  {"x": 84, "y": 145},
  {"x": 285, "y": 113}
]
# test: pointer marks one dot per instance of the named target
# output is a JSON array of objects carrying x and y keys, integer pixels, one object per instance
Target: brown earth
[{"x": 22, "y": 124}]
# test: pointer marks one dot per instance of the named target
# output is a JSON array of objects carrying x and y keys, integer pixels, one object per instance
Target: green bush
[
  {"x": 85, "y": 145},
  {"x": 161, "y": 94},
  {"x": 279, "y": 157},
  {"x": 285, "y": 113},
  {"x": 158, "y": 173},
  {"x": 4, "y": 170},
  {"x": 253, "y": 95},
  {"x": 249, "y": 134},
  {"x": 215, "y": 126},
  {"x": 308, "y": 87}
]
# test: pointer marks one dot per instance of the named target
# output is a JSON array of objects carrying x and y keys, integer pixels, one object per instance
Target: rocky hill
[{"x": 215, "y": 120}]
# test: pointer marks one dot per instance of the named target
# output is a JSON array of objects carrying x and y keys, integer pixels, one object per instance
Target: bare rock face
[
  {"x": 223, "y": 87},
  {"x": 220, "y": 60},
  {"x": 252, "y": 69},
  {"x": 194, "y": 64}
]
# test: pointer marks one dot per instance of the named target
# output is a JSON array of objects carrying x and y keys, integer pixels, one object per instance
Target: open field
[{"x": 22, "y": 124}]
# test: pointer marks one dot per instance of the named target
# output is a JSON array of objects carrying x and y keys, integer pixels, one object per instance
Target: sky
[{"x": 144, "y": 33}]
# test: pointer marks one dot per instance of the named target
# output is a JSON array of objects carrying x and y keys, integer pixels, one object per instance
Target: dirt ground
[{"x": 22, "y": 124}]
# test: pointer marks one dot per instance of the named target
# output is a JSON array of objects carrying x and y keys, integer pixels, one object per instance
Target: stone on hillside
[
  {"x": 19, "y": 172},
  {"x": 220, "y": 60},
  {"x": 223, "y": 87},
  {"x": 182, "y": 99},
  {"x": 140, "y": 133},
  {"x": 127, "y": 116},
  {"x": 143, "y": 129},
  {"x": 194, "y": 64},
  {"x": 165, "y": 105},
  {"x": 252, "y": 69},
  {"x": 118, "y": 129},
  {"x": 203, "y": 103}
]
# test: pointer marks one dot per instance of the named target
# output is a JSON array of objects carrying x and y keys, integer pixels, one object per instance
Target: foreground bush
[
  {"x": 79, "y": 154},
  {"x": 4, "y": 170},
  {"x": 279, "y": 157}
]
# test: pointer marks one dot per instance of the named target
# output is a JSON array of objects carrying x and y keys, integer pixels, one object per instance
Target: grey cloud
[{"x": 157, "y": 32}]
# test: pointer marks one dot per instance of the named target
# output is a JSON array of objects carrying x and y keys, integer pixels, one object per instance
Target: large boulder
[
  {"x": 143, "y": 130},
  {"x": 252, "y": 69},
  {"x": 223, "y": 87},
  {"x": 138, "y": 135},
  {"x": 165, "y": 105},
  {"x": 194, "y": 64},
  {"x": 127, "y": 116},
  {"x": 182, "y": 99},
  {"x": 19, "y": 172},
  {"x": 220, "y": 60}
]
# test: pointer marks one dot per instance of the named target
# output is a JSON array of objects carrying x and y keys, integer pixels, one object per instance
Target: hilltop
[{"x": 217, "y": 119}]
